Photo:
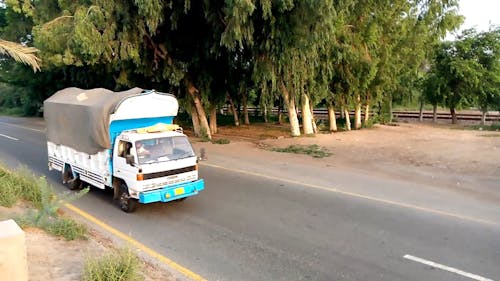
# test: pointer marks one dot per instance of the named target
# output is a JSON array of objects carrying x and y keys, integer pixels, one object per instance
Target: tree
[
  {"x": 287, "y": 39},
  {"x": 20, "y": 53},
  {"x": 466, "y": 70},
  {"x": 487, "y": 49}
]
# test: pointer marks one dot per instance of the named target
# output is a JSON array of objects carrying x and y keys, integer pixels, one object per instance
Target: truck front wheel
[{"x": 127, "y": 204}]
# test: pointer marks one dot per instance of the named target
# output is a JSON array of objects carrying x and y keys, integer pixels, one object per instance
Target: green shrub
[
  {"x": 22, "y": 184},
  {"x": 314, "y": 150},
  {"x": 65, "y": 227},
  {"x": 221, "y": 141},
  {"x": 495, "y": 126},
  {"x": 19, "y": 184},
  {"x": 118, "y": 265},
  {"x": 15, "y": 111},
  {"x": 8, "y": 192}
]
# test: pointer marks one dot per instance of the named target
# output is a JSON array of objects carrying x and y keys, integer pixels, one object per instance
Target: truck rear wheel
[
  {"x": 76, "y": 184},
  {"x": 127, "y": 204},
  {"x": 71, "y": 183}
]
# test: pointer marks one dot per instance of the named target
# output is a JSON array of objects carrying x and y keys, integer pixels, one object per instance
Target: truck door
[{"x": 123, "y": 162}]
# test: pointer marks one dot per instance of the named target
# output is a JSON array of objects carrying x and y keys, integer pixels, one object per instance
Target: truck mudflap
[{"x": 173, "y": 192}]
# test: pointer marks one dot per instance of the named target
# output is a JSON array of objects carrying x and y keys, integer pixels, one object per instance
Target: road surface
[{"x": 259, "y": 221}]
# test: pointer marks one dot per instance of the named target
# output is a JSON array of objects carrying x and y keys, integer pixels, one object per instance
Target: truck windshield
[{"x": 163, "y": 149}]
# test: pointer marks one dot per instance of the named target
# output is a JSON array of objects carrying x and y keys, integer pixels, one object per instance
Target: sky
[{"x": 478, "y": 13}]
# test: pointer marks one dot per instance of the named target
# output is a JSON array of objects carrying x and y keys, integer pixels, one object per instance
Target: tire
[
  {"x": 76, "y": 184},
  {"x": 127, "y": 204},
  {"x": 73, "y": 184}
]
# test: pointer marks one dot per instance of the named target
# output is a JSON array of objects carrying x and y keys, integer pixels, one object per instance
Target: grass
[
  {"x": 313, "y": 150},
  {"x": 15, "y": 111},
  {"x": 118, "y": 265},
  {"x": 21, "y": 184},
  {"x": 495, "y": 126},
  {"x": 221, "y": 141}
]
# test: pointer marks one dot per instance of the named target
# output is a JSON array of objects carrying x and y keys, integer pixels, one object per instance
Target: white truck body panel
[
  {"x": 152, "y": 105},
  {"x": 93, "y": 169}
]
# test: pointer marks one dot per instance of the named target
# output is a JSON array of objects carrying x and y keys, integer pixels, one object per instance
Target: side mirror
[{"x": 130, "y": 159}]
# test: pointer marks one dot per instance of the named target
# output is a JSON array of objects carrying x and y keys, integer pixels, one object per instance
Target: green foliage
[
  {"x": 20, "y": 184},
  {"x": 466, "y": 71},
  {"x": 371, "y": 122},
  {"x": 313, "y": 150},
  {"x": 221, "y": 141},
  {"x": 65, "y": 227},
  {"x": 495, "y": 126},
  {"x": 118, "y": 265},
  {"x": 253, "y": 51},
  {"x": 24, "y": 185},
  {"x": 16, "y": 111}
]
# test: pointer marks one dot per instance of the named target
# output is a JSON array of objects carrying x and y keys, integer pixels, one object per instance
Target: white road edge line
[
  {"x": 447, "y": 268},
  {"x": 5, "y": 136},
  {"x": 22, "y": 127}
]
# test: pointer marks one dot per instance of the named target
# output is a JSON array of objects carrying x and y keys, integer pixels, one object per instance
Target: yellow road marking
[
  {"x": 188, "y": 273},
  {"x": 358, "y": 195}
]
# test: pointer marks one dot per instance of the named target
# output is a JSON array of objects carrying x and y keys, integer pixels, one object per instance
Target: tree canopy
[
  {"x": 341, "y": 54},
  {"x": 466, "y": 72}
]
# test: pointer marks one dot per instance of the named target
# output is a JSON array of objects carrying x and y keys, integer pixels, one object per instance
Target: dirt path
[{"x": 435, "y": 154}]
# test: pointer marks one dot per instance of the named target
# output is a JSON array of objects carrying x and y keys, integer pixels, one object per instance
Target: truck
[{"x": 124, "y": 141}]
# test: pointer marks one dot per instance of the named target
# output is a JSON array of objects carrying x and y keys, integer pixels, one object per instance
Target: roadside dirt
[
  {"x": 443, "y": 155},
  {"x": 56, "y": 259}
]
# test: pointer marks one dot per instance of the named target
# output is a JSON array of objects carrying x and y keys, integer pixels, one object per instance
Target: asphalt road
[{"x": 248, "y": 227}]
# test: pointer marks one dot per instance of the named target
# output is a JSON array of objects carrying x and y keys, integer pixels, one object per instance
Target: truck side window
[{"x": 124, "y": 148}]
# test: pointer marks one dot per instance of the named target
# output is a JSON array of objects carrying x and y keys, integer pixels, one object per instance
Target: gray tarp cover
[{"x": 80, "y": 118}]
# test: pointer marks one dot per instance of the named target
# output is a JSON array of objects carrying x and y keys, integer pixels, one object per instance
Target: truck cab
[{"x": 157, "y": 166}]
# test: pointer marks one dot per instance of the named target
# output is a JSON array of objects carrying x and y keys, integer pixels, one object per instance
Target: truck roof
[
  {"x": 134, "y": 136},
  {"x": 81, "y": 118}
]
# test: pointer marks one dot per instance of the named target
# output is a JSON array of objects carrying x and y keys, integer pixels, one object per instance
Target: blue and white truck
[{"x": 121, "y": 140}]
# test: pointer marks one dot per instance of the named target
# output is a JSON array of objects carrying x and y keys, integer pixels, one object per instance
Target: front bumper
[{"x": 173, "y": 192}]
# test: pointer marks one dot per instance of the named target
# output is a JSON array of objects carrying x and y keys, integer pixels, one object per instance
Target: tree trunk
[
  {"x": 280, "y": 114},
  {"x": 233, "y": 109},
  {"x": 292, "y": 113},
  {"x": 366, "y": 116},
  {"x": 265, "y": 114},
  {"x": 483, "y": 118},
  {"x": 367, "y": 113},
  {"x": 313, "y": 120},
  {"x": 357, "y": 116},
  {"x": 196, "y": 121},
  {"x": 213, "y": 120},
  {"x": 202, "y": 117},
  {"x": 306, "y": 116},
  {"x": 434, "y": 113},
  {"x": 453, "y": 115},
  {"x": 245, "y": 110},
  {"x": 331, "y": 117},
  {"x": 421, "y": 113},
  {"x": 347, "y": 119}
]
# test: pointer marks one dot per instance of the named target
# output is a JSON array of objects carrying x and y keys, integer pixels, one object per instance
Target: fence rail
[{"x": 322, "y": 113}]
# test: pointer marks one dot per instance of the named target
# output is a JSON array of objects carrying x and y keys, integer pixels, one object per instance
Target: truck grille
[{"x": 168, "y": 173}]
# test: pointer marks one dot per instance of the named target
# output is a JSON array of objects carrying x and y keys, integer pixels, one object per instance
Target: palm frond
[{"x": 20, "y": 53}]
